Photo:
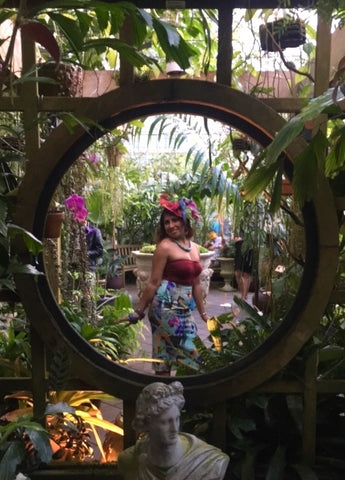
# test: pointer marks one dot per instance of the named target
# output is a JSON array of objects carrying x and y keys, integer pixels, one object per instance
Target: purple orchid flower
[
  {"x": 93, "y": 159},
  {"x": 76, "y": 204}
]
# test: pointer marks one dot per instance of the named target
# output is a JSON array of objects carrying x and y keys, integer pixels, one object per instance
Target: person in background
[
  {"x": 173, "y": 287},
  {"x": 243, "y": 267},
  {"x": 214, "y": 243},
  {"x": 94, "y": 244},
  {"x": 216, "y": 227}
]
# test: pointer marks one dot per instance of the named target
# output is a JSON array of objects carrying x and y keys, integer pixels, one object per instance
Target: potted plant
[
  {"x": 54, "y": 221},
  {"x": 240, "y": 144},
  {"x": 67, "y": 79},
  {"x": 112, "y": 269}
]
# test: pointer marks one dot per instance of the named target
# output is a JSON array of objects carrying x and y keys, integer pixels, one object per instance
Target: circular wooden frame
[{"x": 250, "y": 116}]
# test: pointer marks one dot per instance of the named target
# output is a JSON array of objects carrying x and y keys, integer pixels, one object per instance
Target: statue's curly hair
[{"x": 154, "y": 399}]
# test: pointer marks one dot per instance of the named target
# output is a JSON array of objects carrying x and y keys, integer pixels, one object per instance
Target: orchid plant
[{"x": 76, "y": 204}]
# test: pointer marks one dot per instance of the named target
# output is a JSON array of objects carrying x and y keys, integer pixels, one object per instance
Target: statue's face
[{"x": 164, "y": 428}]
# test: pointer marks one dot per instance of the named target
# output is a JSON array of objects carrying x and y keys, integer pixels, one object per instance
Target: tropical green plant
[
  {"x": 228, "y": 251},
  {"x": 113, "y": 341},
  {"x": 87, "y": 32},
  {"x": 15, "y": 352},
  {"x": 152, "y": 248},
  {"x": 215, "y": 180},
  {"x": 70, "y": 417},
  {"x": 24, "y": 444},
  {"x": 323, "y": 152},
  {"x": 264, "y": 430},
  {"x": 10, "y": 264}
]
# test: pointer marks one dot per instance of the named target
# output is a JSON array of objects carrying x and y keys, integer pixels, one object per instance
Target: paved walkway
[{"x": 217, "y": 302}]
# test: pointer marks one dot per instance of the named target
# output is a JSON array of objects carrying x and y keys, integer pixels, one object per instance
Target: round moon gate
[{"x": 226, "y": 105}]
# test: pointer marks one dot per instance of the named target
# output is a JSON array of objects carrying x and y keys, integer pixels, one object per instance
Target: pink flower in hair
[
  {"x": 193, "y": 209},
  {"x": 182, "y": 207}
]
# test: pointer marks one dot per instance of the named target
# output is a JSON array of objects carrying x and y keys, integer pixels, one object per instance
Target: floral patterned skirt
[{"x": 173, "y": 328}]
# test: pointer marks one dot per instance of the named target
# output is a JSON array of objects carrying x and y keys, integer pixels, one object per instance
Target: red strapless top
[{"x": 183, "y": 272}]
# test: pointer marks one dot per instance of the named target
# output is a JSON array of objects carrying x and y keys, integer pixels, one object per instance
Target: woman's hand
[
  {"x": 122, "y": 320},
  {"x": 132, "y": 318}
]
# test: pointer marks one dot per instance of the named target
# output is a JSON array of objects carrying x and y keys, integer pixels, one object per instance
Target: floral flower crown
[{"x": 182, "y": 207}]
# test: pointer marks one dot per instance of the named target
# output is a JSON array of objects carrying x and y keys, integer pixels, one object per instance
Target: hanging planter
[
  {"x": 240, "y": 144},
  {"x": 53, "y": 224},
  {"x": 114, "y": 155},
  {"x": 282, "y": 33},
  {"x": 68, "y": 78}
]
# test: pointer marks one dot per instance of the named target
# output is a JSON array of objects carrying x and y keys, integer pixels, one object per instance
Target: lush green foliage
[
  {"x": 24, "y": 444},
  {"x": 113, "y": 341},
  {"x": 323, "y": 153}
]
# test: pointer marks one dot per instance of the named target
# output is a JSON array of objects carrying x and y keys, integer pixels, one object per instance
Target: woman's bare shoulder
[
  {"x": 163, "y": 247},
  {"x": 196, "y": 249}
]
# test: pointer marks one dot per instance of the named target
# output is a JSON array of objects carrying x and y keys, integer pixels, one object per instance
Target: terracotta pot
[
  {"x": 53, "y": 224},
  {"x": 286, "y": 187},
  {"x": 115, "y": 283}
]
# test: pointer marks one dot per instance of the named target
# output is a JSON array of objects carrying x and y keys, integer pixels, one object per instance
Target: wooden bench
[{"x": 128, "y": 265}]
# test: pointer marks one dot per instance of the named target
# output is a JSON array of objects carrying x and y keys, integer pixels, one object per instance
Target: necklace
[{"x": 186, "y": 249}]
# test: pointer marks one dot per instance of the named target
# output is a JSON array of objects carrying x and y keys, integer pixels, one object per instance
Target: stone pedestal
[{"x": 227, "y": 268}]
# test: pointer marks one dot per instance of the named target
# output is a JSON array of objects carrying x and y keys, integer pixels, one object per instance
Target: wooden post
[
  {"x": 38, "y": 359},
  {"x": 224, "y": 57},
  {"x": 218, "y": 432},
  {"x": 29, "y": 100},
  {"x": 129, "y": 438},
  {"x": 126, "y": 69},
  {"x": 309, "y": 410}
]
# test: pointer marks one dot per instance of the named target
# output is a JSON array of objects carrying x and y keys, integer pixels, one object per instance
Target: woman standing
[
  {"x": 173, "y": 287},
  {"x": 243, "y": 267}
]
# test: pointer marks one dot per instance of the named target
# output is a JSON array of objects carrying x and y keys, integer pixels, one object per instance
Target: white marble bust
[{"x": 163, "y": 452}]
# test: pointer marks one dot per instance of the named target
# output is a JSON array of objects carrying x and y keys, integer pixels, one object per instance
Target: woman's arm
[
  {"x": 159, "y": 260},
  {"x": 199, "y": 300}
]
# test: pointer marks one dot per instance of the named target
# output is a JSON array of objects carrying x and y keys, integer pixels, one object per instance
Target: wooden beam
[
  {"x": 189, "y": 4},
  {"x": 69, "y": 104}
]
